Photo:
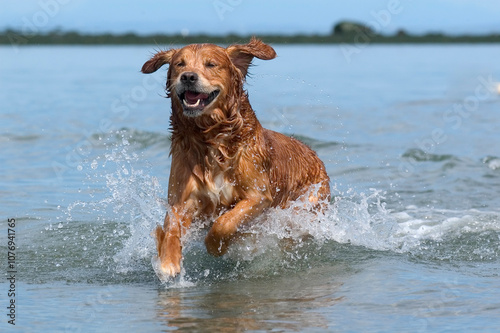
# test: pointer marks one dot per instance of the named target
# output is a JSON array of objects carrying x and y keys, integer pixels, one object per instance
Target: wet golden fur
[{"x": 225, "y": 166}]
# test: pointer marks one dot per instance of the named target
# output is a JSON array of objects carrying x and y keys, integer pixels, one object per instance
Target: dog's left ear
[
  {"x": 158, "y": 60},
  {"x": 242, "y": 55}
]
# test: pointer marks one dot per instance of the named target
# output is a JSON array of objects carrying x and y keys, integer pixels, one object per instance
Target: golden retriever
[{"x": 225, "y": 166}]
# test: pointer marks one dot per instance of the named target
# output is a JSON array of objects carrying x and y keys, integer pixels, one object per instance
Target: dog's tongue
[{"x": 192, "y": 97}]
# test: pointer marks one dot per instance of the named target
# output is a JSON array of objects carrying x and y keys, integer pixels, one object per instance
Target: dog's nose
[{"x": 189, "y": 77}]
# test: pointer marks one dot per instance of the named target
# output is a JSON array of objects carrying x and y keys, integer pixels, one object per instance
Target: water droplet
[
  {"x": 94, "y": 165},
  {"x": 79, "y": 168}
]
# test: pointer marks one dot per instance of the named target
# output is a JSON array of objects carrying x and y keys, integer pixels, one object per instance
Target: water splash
[
  {"x": 277, "y": 241},
  {"x": 137, "y": 196},
  {"x": 283, "y": 239}
]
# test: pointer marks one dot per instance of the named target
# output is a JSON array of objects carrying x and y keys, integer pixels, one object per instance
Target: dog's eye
[
  {"x": 211, "y": 64},
  {"x": 180, "y": 64}
]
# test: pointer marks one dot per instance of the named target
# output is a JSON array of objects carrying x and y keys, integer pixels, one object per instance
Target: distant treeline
[{"x": 343, "y": 32}]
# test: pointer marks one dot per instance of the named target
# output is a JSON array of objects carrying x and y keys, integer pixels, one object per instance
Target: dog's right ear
[{"x": 158, "y": 60}]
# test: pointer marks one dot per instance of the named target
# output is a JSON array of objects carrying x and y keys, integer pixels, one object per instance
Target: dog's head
[{"x": 202, "y": 77}]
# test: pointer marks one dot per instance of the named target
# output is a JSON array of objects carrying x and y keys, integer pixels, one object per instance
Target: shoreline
[{"x": 11, "y": 37}]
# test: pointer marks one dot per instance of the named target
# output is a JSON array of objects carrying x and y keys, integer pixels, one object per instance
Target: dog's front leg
[
  {"x": 168, "y": 241},
  {"x": 225, "y": 228}
]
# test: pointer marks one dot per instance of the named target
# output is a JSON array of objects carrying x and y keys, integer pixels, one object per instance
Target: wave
[
  {"x": 19, "y": 138},
  {"x": 450, "y": 161},
  {"x": 419, "y": 155},
  {"x": 129, "y": 136},
  {"x": 492, "y": 162},
  {"x": 316, "y": 144}
]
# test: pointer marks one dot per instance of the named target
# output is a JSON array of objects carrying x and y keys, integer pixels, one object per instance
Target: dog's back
[{"x": 294, "y": 169}]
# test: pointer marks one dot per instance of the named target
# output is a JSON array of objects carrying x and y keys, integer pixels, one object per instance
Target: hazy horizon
[{"x": 219, "y": 17}]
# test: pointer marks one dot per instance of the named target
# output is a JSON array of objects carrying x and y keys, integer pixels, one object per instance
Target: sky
[{"x": 250, "y": 16}]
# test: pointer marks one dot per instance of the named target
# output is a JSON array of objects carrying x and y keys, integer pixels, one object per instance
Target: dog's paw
[
  {"x": 165, "y": 271},
  {"x": 168, "y": 262},
  {"x": 215, "y": 245},
  {"x": 170, "y": 269}
]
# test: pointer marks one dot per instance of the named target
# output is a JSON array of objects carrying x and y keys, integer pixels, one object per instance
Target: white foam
[{"x": 493, "y": 163}]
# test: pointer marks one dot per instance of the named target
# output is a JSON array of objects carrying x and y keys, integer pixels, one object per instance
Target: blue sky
[{"x": 250, "y": 16}]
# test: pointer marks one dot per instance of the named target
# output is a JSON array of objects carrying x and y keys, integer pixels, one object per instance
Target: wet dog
[{"x": 225, "y": 165}]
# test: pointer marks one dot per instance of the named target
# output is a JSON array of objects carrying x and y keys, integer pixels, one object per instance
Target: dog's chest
[{"x": 219, "y": 189}]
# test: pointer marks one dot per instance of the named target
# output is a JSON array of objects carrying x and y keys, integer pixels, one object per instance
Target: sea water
[{"x": 411, "y": 241}]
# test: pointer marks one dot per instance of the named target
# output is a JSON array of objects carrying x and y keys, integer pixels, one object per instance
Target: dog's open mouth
[{"x": 193, "y": 101}]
